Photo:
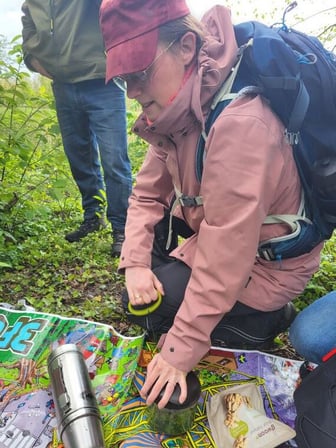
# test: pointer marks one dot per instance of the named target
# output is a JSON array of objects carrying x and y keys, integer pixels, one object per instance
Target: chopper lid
[{"x": 193, "y": 393}]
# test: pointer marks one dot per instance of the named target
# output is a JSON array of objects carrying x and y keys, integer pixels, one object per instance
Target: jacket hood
[{"x": 218, "y": 54}]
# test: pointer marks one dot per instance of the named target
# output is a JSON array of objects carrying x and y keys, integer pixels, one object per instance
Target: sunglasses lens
[{"x": 141, "y": 76}]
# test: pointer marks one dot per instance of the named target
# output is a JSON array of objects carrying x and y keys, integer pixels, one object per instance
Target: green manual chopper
[{"x": 176, "y": 418}]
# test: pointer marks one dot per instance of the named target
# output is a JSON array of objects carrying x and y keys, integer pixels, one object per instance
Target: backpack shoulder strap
[{"x": 229, "y": 90}]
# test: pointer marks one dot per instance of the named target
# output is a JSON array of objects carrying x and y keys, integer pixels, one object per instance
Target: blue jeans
[
  {"x": 92, "y": 120},
  {"x": 313, "y": 332}
]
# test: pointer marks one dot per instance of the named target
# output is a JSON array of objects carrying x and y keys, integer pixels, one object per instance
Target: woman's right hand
[{"x": 142, "y": 285}]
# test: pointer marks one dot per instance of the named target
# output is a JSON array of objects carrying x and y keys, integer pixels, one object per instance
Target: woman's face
[{"x": 162, "y": 79}]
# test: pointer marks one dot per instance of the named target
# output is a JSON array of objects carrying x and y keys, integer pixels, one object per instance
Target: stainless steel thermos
[{"x": 77, "y": 412}]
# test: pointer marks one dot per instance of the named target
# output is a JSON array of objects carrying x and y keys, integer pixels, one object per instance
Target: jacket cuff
[{"x": 183, "y": 357}]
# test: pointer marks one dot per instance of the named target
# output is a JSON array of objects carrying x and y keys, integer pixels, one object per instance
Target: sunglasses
[{"x": 143, "y": 76}]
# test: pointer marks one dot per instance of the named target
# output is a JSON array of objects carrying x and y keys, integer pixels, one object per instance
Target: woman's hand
[
  {"x": 142, "y": 286},
  {"x": 159, "y": 373}
]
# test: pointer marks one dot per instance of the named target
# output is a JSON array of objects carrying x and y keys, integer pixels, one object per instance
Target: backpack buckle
[
  {"x": 266, "y": 253},
  {"x": 190, "y": 201}
]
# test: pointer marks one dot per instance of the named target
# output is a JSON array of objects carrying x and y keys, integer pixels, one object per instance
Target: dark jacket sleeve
[{"x": 28, "y": 30}]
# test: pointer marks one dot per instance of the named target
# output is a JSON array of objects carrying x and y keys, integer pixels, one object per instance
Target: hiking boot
[
  {"x": 87, "y": 226},
  {"x": 288, "y": 315},
  {"x": 118, "y": 239}
]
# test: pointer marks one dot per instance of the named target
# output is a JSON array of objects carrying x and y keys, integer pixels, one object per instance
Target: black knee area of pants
[
  {"x": 246, "y": 328},
  {"x": 124, "y": 299}
]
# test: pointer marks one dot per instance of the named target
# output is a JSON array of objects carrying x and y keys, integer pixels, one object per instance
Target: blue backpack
[{"x": 298, "y": 77}]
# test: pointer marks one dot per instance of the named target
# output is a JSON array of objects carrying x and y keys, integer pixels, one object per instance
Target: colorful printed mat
[
  {"x": 276, "y": 377},
  {"x": 117, "y": 366}
]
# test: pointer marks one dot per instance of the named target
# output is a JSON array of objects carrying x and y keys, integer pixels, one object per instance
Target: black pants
[{"x": 242, "y": 327}]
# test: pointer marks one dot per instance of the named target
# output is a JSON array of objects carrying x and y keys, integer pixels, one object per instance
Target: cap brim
[{"x": 131, "y": 56}]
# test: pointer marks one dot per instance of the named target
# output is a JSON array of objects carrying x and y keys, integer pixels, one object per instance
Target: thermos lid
[
  {"x": 193, "y": 393},
  {"x": 61, "y": 349}
]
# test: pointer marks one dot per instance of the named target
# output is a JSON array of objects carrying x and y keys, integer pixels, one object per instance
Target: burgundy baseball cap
[{"x": 130, "y": 31}]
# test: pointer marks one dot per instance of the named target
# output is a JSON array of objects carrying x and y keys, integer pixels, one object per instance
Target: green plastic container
[{"x": 176, "y": 418}]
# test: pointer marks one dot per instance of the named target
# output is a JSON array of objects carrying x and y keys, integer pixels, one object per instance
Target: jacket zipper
[{"x": 52, "y": 14}]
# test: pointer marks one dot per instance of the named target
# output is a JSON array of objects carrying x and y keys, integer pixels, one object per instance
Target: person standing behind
[
  {"x": 313, "y": 332},
  {"x": 62, "y": 41}
]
